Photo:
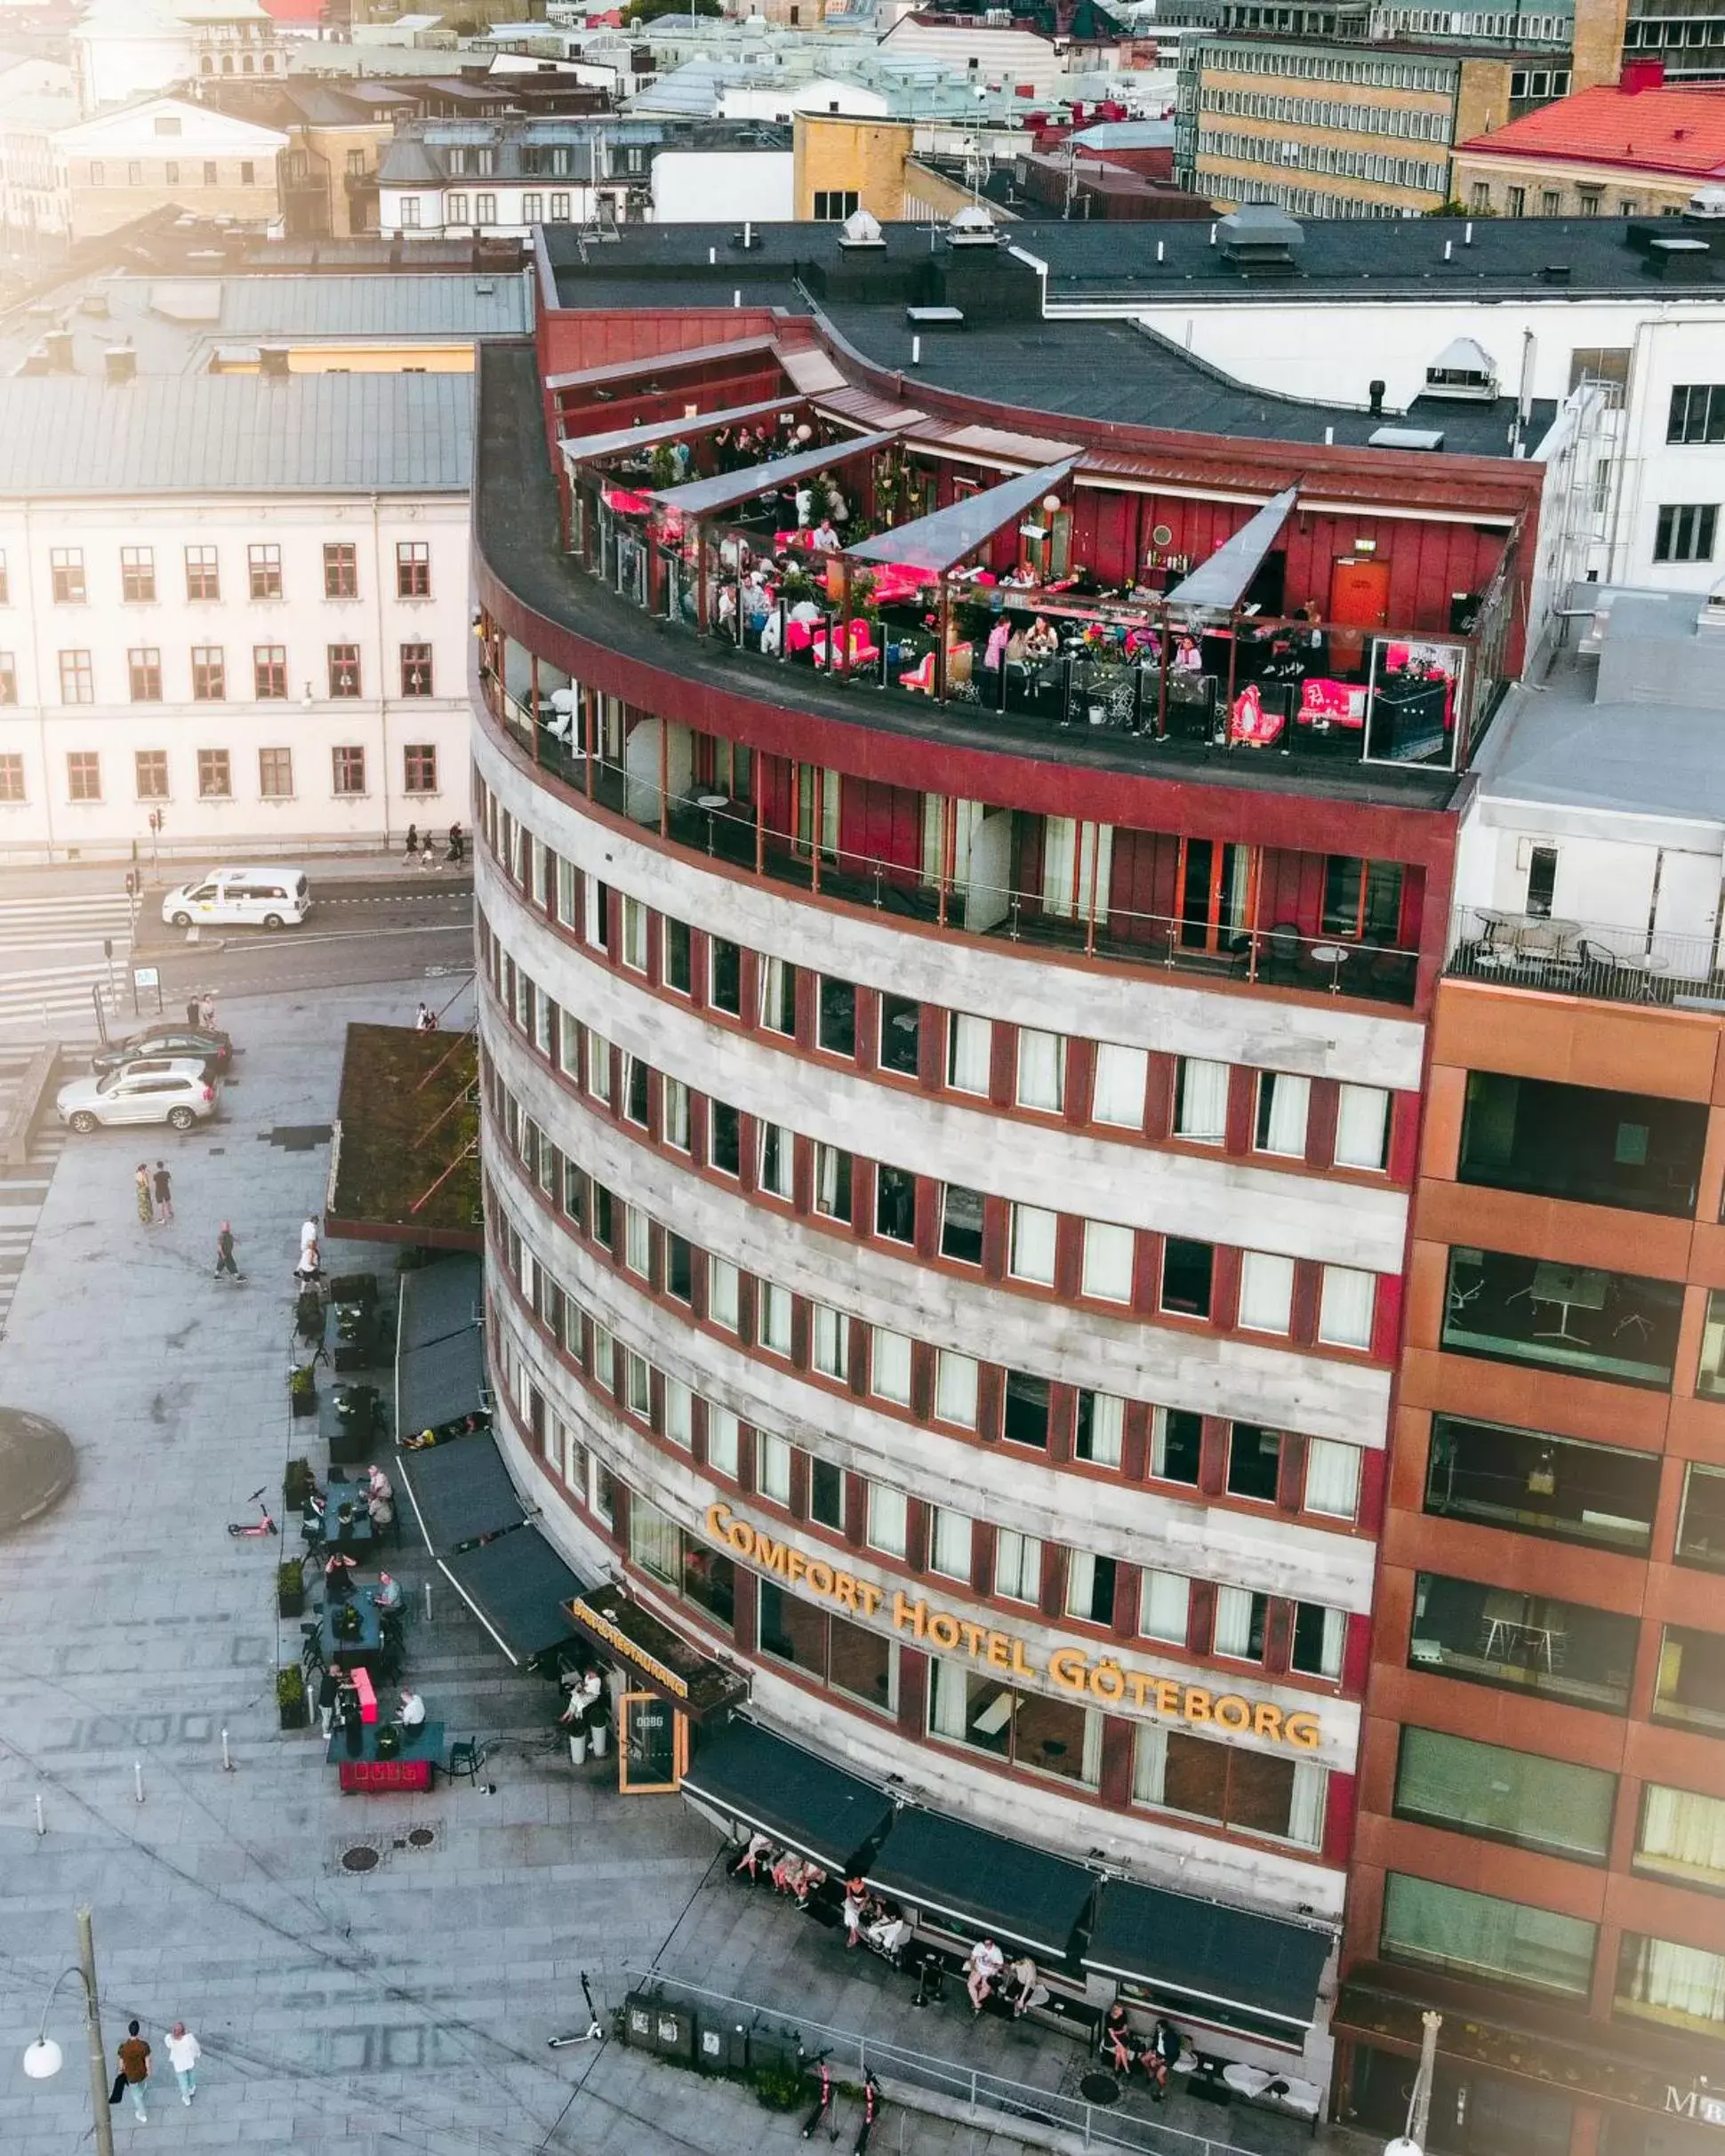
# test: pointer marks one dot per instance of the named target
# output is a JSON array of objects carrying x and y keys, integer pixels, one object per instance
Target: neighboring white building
[
  {"x": 120, "y": 165},
  {"x": 999, "y": 56},
  {"x": 688, "y": 184},
  {"x": 36, "y": 100},
  {"x": 238, "y": 600},
  {"x": 123, "y": 49}
]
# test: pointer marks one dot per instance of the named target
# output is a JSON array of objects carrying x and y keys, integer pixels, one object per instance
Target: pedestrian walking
[
  {"x": 134, "y": 2067},
  {"x": 146, "y": 1203},
  {"x": 225, "y": 1256},
  {"x": 413, "y": 841},
  {"x": 310, "y": 1267},
  {"x": 184, "y": 2052},
  {"x": 457, "y": 845},
  {"x": 426, "y": 1020},
  {"x": 307, "y": 1233},
  {"x": 162, "y": 1185},
  {"x": 194, "y": 1012},
  {"x": 207, "y": 1012}
]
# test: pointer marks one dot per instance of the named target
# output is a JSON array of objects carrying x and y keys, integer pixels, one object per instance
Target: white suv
[{"x": 156, "y": 1089}]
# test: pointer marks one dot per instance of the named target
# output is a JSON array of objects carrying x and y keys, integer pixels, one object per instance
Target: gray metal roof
[
  {"x": 490, "y": 306},
  {"x": 236, "y": 434}
]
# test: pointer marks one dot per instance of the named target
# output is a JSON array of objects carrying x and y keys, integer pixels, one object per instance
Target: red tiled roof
[{"x": 1677, "y": 130}]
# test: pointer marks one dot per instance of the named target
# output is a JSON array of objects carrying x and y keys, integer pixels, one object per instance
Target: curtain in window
[
  {"x": 1041, "y": 1069},
  {"x": 1346, "y": 1307},
  {"x": 1150, "y": 1759},
  {"x": 1017, "y": 1566},
  {"x": 950, "y": 1550},
  {"x": 675, "y": 1099},
  {"x": 1233, "y": 1621},
  {"x": 955, "y": 1390},
  {"x": 1077, "y": 863},
  {"x": 1335, "y": 1639},
  {"x": 969, "y": 1045},
  {"x": 722, "y": 1293},
  {"x": 947, "y": 1699},
  {"x": 1108, "y": 1261},
  {"x": 1362, "y": 1126},
  {"x": 1453, "y": 1928},
  {"x": 1081, "y": 1584},
  {"x": 777, "y": 1158},
  {"x": 773, "y": 1467},
  {"x": 1164, "y": 1604},
  {"x": 831, "y": 1341},
  {"x": 888, "y": 1520},
  {"x": 1681, "y": 1827},
  {"x": 679, "y": 1413},
  {"x": 1282, "y": 1130},
  {"x": 1118, "y": 1094},
  {"x": 1305, "y": 1815},
  {"x": 831, "y": 1175},
  {"x": 1033, "y": 1244},
  {"x": 722, "y": 1442},
  {"x": 1203, "y": 1106},
  {"x": 1672, "y": 1981},
  {"x": 1090, "y": 1771},
  {"x": 778, "y": 995},
  {"x": 655, "y": 1542},
  {"x": 1332, "y": 1477},
  {"x": 1266, "y": 1292},
  {"x": 891, "y": 1374},
  {"x": 774, "y": 1307},
  {"x": 966, "y": 819},
  {"x": 1107, "y": 1430}
]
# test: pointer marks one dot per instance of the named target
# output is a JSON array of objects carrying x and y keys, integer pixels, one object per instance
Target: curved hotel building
[{"x": 953, "y": 1008}]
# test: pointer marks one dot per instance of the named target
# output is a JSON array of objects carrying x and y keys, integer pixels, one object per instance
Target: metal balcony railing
[{"x": 1571, "y": 958}]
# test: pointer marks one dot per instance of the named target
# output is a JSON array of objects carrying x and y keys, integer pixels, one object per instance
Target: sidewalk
[{"x": 24, "y": 880}]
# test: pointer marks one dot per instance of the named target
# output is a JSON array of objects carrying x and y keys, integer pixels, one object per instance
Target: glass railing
[{"x": 1570, "y": 957}]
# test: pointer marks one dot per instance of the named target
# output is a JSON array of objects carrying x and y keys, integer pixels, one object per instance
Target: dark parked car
[{"x": 215, "y": 1047}]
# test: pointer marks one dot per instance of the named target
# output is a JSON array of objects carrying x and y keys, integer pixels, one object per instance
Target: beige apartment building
[{"x": 166, "y": 152}]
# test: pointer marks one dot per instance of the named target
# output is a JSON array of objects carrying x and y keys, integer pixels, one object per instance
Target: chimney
[
  {"x": 272, "y": 359},
  {"x": 120, "y": 363},
  {"x": 1641, "y": 74},
  {"x": 58, "y": 344}
]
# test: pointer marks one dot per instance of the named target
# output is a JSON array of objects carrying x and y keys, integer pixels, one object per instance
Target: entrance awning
[
  {"x": 519, "y": 1589},
  {"x": 618, "y": 441},
  {"x": 645, "y": 1646},
  {"x": 460, "y": 1492},
  {"x": 1223, "y": 580},
  {"x": 984, "y": 1881},
  {"x": 729, "y": 490},
  {"x": 1220, "y": 1962},
  {"x": 642, "y": 375},
  {"x": 762, "y": 1782},
  {"x": 440, "y": 1348},
  {"x": 937, "y": 543}
]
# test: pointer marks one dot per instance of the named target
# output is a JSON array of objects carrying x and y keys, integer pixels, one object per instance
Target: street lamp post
[
  {"x": 1412, "y": 2142},
  {"x": 43, "y": 2057}
]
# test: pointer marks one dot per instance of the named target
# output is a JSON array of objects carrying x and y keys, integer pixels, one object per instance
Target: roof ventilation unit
[
  {"x": 120, "y": 363},
  {"x": 1261, "y": 241},
  {"x": 1711, "y": 620},
  {"x": 1463, "y": 373},
  {"x": 1706, "y": 206},
  {"x": 971, "y": 227},
  {"x": 272, "y": 359},
  {"x": 1406, "y": 437},
  {"x": 59, "y": 350},
  {"x": 862, "y": 229}
]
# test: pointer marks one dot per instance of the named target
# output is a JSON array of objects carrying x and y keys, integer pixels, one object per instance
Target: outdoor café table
[
  {"x": 355, "y": 1537},
  {"x": 1335, "y": 956},
  {"x": 410, "y": 1767},
  {"x": 365, "y": 1644}
]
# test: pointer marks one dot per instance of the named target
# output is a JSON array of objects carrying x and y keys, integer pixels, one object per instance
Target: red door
[{"x": 1359, "y": 598}]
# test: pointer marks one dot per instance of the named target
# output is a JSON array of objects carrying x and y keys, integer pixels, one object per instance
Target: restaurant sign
[
  {"x": 1073, "y": 1670},
  {"x": 1697, "y": 2103}
]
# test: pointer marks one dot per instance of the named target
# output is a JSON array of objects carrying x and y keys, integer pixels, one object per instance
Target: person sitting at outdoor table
[
  {"x": 982, "y": 1964},
  {"x": 1015, "y": 652},
  {"x": 759, "y": 1850},
  {"x": 889, "y": 1930},
  {"x": 788, "y": 1871},
  {"x": 805, "y": 500},
  {"x": 387, "y": 1594},
  {"x": 1120, "y": 2043},
  {"x": 378, "y": 1484},
  {"x": 1018, "y": 1987},
  {"x": 994, "y": 652},
  {"x": 1187, "y": 658},
  {"x": 825, "y": 540},
  {"x": 1020, "y": 577},
  {"x": 853, "y": 1908},
  {"x": 1041, "y": 642},
  {"x": 410, "y": 1713},
  {"x": 337, "y": 1576}
]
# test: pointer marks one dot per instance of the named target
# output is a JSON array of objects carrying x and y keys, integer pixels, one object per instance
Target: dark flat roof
[
  {"x": 1211, "y": 1955},
  {"x": 516, "y": 1586},
  {"x": 439, "y": 1299},
  {"x": 515, "y": 534},
  {"x": 984, "y": 1881},
  {"x": 797, "y": 1797},
  {"x": 461, "y": 1491}
]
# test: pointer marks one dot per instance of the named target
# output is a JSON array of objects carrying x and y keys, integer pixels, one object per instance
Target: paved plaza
[{"x": 406, "y": 2008}]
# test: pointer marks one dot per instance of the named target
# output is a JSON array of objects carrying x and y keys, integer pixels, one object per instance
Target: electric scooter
[
  {"x": 593, "y": 2034},
  {"x": 824, "y": 2103},
  {"x": 263, "y": 1525},
  {"x": 870, "y": 2104}
]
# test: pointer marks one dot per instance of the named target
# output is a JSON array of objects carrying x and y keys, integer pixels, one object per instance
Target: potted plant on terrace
[
  {"x": 298, "y": 1482},
  {"x": 289, "y": 1589},
  {"x": 291, "y": 1702},
  {"x": 303, "y": 1390}
]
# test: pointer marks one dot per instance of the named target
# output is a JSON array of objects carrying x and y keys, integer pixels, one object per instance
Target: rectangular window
[
  {"x": 722, "y": 1294},
  {"x": 1240, "y": 1617},
  {"x": 209, "y": 673},
  {"x": 832, "y": 1182},
  {"x": 1332, "y": 1478},
  {"x": 532, "y": 208},
  {"x": 1696, "y": 413},
  {"x": 1099, "y": 1429},
  {"x": 215, "y": 776},
  {"x": 416, "y": 669},
  {"x": 347, "y": 770},
  {"x": 889, "y": 1369},
  {"x": 1176, "y": 1445},
  {"x": 895, "y": 1204},
  {"x": 11, "y": 776},
  {"x": 8, "y": 678},
  {"x": 777, "y": 1160},
  {"x": 772, "y": 1467},
  {"x": 419, "y": 763},
  {"x": 276, "y": 774},
  {"x": 1017, "y": 1566},
  {"x": 675, "y": 955},
  {"x": 343, "y": 670},
  {"x": 900, "y": 1035},
  {"x": 1514, "y": 1641},
  {"x": 5, "y": 581},
  {"x": 340, "y": 570},
  {"x": 724, "y": 1138},
  {"x": 1684, "y": 532},
  {"x": 1024, "y": 1410},
  {"x": 202, "y": 575},
  {"x": 264, "y": 565},
  {"x": 1254, "y": 1461},
  {"x": 955, "y": 1390},
  {"x": 66, "y": 566},
  {"x": 1319, "y": 1640},
  {"x": 1108, "y": 1259},
  {"x": 1266, "y": 1292},
  {"x": 637, "y": 1241},
  {"x": 1031, "y": 1254},
  {"x": 725, "y": 977},
  {"x": 1041, "y": 1070},
  {"x": 1200, "y": 1109},
  {"x": 1347, "y": 1305},
  {"x": 268, "y": 671},
  {"x": 455, "y": 206},
  {"x": 1532, "y": 1483},
  {"x": 1701, "y": 1525},
  {"x": 826, "y": 1494},
  {"x": 949, "y": 1543},
  {"x": 1475, "y": 1934},
  {"x": 837, "y": 1017},
  {"x": 888, "y": 1520},
  {"x": 961, "y": 1224},
  {"x": 1499, "y": 1795},
  {"x": 84, "y": 775},
  {"x": 1634, "y": 1150},
  {"x": 1165, "y": 1605},
  {"x": 1252, "y": 1791},
  {"x": 679, "y": 1267},
  {"x": 144, "y": 672},
  {"x": 77, "y": 683},
  {"x": 413, "y": 569},
  {"x": 1680, "y": 1987},
  {"x": 1605, "y": 1325},
  {"x": 1362, "y": 1127},
  {"x": 1187, "y": 1268},
  {"x": 773, "y": 1317},
  {"x": 1362, "y": 898},
  {"x": 138, "y": 574},
  {"x": 674, "y": 1113},
  {"x": 1689, "y": 1691},
  {"x": 484, "y": 206},
  {"x": 634, "y": 937},
  {"x": 1682, "y": 1835},
  {"x": 1117, "y": 1095},
  {"x": 1282, "y": 1107},
  {"x": 778, "y": 995},
  {"x": 969, "y": 1044},
  {"x": 1089, "y": 1587},
  {"x": 150, "y": 768},
  {"x": 830, "y": 1342}
]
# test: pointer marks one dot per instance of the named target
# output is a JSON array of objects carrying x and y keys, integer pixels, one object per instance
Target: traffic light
[{"x": 157, "y": 819}]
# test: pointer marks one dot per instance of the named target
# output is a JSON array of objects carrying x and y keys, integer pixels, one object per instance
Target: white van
[{"x": 266, "y": 897}]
